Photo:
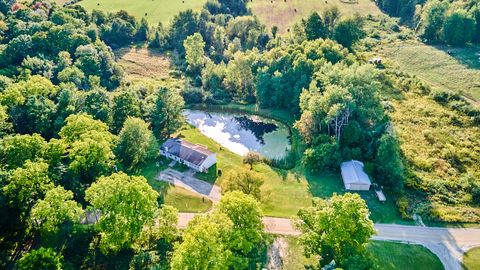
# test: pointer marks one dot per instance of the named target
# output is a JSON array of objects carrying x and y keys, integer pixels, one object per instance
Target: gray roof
[
  {"x": 193, "y": 153},
  {"x": 352, "y": 173}
]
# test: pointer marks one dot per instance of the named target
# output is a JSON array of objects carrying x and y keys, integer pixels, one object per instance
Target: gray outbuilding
[{"x": 354, "y": 177}]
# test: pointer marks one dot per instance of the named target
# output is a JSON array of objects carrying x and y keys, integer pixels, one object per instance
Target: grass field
[
  {"x": 386, "y": 256},
  {"x": 471, "y": 259},
  {"x": 284, "y": 13},
  {"x": 156, "y": 10},
  {"x": 458, "y": 72}
]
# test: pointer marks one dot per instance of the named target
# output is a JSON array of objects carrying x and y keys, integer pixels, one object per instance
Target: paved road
[{"x": 448, "y": 244}]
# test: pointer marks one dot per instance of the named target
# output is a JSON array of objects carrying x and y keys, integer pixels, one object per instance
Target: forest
[{"x": 75, "y": 134}]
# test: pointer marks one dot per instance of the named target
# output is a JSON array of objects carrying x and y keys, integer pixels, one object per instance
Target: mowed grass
[
  {"x": 471, "y": 259},
  {"x": 396, "y": 256},
  {"x": 284, "y": 13},
  {"x": 385, "y": 256},
  {"x": 156, "y": 10},
  {"x": 458, "y": 72},
  {"x": 180, "y": 198}
]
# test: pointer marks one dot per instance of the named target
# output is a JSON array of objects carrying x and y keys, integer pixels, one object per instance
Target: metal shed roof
[
  {"x": 193, "y": 153},
  {"x": 353, "y": 173}
]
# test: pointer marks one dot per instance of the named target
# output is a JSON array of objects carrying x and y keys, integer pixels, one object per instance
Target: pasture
[
  {"x": 285, "y": 13},
  {"x": 154, "y": 11},
  {"x": 442, "y": 67}
]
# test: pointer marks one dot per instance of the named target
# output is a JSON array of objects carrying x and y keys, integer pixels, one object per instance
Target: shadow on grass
[{"x": 468, "y": 55}]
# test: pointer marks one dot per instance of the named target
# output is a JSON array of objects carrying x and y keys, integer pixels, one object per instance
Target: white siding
[{"x": 209, "y": 162}]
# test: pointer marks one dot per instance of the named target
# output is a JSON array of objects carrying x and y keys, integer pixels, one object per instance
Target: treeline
[{"x": 452, "y": 22}]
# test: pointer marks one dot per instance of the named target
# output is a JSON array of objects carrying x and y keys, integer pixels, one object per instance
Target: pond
[{"x": 241, "y": 133}]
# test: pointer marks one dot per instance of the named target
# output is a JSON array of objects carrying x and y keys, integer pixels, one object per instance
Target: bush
[
  {"x": 403, "y": 205},
  {"x": 193, "y": 95}
]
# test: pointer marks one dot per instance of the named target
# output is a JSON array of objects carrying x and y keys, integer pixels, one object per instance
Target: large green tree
[
  {"x": 315, "y": 27},
  {"x": 245, "y": 181},
  {"x": 125, "y": 104},
  {"x": 336, "y": 229},
  {"x": 205, "y": 244},
  {"x": 246, "y": 234},
  {"x": 28, "y": 184},
  {"x": 166, "y": 115},
  {"x": 16, "y": 149},
  {"x": 459, "y": 28},
  {"x": 55, "y": 209},
  {"x": 194, "y": 53},
  {"x": 136, "y": 145},
  {"x": 389, "y": 167},
  {"x": 125, "y": 205}
]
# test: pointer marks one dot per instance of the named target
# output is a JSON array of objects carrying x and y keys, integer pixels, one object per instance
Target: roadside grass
[
  {"x": 180, "y": 198},
  {"x": 395, "y": 256},
  {"x": 385, "y": 256},
  {"x": 285, "y": 13},
  {"x": 471, "y": 259},
  {"x": 458, "y": 72},
  {"x": 154, "y": 11}
]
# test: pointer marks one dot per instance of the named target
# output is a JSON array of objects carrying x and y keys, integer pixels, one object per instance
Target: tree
[
  {"x": 183, "y": 24},
  {"x": 194, "y": 53},
  {"x": 347, "y": 32},
  {"x": 314, "y": 27},
  {"x": 234, "y": 7},
  {"x": 330, "y": 17},
  {"x": 55, "y": 209},
  {"x": 204, "y": 244},
  {"x": 389, "y": 165},
  {"x": 97, "y": 104},
  {"x": 127, "y": 204},
  {"x": 251, "y": 158},
  {"x": 459, "y": 28},
  {"x": 163, "y": 232},
  {"x": 5, "y": 124},
  {"x": 336, "y": 229},
  {"x": 433, "y": 19},
  {"x": 136, "y": 145},
  {"x": 166, "y": 115},
  {"x": 16, "y": 149},
  {"x": 245, "y": 181},
  {"x": 325, "y": 156},
  {"x": 40, "y": 259},
  {"x": 143, "y": 32},
  {"x": 90, "y": 146},
  {"x": 125, "y": 104},
  {"x": 246, "y": 216},
  {"x": 28, "y": 184}
]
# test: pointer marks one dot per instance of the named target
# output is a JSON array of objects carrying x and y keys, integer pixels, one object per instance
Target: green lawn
[
  {"x": 458, "y": 72},
  {"x": 386, "y": 256},
  {"x": 182, "y": 199},
  {"x": 471, "y": 259},
  {"x": 392, "y": 256},
  {"x": 285, "y": 13},
  {"x": 156, "y": 10}
]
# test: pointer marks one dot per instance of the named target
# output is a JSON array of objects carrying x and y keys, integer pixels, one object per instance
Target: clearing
[
  {"x": 284, "y": 13},
  {"x": 154, "y": 10},
  {"x": 458, "y": 71}
]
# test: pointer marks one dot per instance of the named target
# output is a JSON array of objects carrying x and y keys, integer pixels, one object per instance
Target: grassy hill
[
  {"x": 154, "y": 10},
  {"x": 284, "y": 13},
  {"x": 458, "y": 71}
]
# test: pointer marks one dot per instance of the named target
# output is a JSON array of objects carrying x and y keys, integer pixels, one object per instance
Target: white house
[
  {"x": 195, "y": 156},
  {"x": 354, "y": 177}
]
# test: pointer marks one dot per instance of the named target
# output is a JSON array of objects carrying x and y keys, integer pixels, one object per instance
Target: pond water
[{"x": 241, "y": 133}]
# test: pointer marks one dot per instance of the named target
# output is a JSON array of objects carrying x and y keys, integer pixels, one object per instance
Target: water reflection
[{"x": 241, "y": 133}]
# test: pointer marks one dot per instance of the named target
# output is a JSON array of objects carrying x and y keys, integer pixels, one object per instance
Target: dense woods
[{"x": 74, "y": 134}]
